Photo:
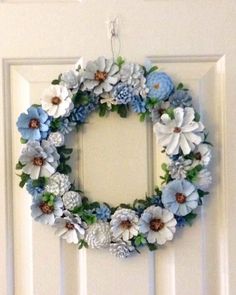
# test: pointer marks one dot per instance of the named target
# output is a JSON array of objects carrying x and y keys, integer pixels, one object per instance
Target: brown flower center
[
  {"x": 45, "y": 208},
  {"x": 34, "y": 123},
  {"x": 38, "y": 161},
  {"x": 156, "y": 86},
  {"x": 100, "y": 76},
  {"x": 177, "y": 129},
  {"x": 56, "y": 100},
  {"x": 126, "y": 224},
  {"x": 198, "y": 156},
  {"x": 180, "y": 198},
  {"x": 70, "y": 226},
  {"x": 161, "y": 111},
  {"x": 156, "y": 224}
]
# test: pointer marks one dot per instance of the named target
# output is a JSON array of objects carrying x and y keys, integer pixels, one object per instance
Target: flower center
[
  {"x": 161, "y": 111},
  {"x": 70, "y": 226},
  {"x": 45, "y": 208},
  {"x": 156, "y": 86},
  {"x": 198, "y": 156},
  {"x": 180, "y": 198},
  {"x": 126, "y": 224},
  {"x": 38, "y": 161},
  {"x": 34, "y": 123},
  {"x": 156, "y": 224},
  {"x": 177, "y": 129},
  {"x": 100, "y": 76},
  {"x": 56, "y": 100}
]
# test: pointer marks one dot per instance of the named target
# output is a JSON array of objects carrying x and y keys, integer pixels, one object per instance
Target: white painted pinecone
[
  {"x": 56, "y": 138},
  {"x": 71, "y": 200},
  {"x": 98, "y": 235},
  {"x": 121, "y": 249},
  {"x": 58, "y": 184}
]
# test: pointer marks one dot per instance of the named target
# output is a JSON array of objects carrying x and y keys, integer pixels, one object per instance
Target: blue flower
[
  {"x": 34, "y": 125},
  {"x": 156, "y": 200},
  {"x": 66, "y": 126},
  {"x": 103, "y": 212},
  {"x": 138, "y": 105},
  {"x": 160, "y": 85},
  {"x": 181, "y": 222},
  {"x": 180, "y": 98},
  {"x": 123, "y": 93},
  {"x": 180, "y": 197},
  {"x": 34, "y": 191}
]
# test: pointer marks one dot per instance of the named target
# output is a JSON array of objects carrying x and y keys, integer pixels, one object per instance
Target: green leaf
[
  {"x": 202, "y": 193},
  {"x": 142, "y": 117},
  {"x": 170, "y": 112},
  {"x": 41, "y": 181},
  {"x": 102, "y": 109},
  {"x": 36, "y": 105},
  {"x": 152, "y": 247},
  {"x": 55, "y": 82},
  {"x": 190, "y": 218},
  {"x": 164, "y": 167},
  {"x": 19, "y": 166},
  {"x": 139, "y": 240},
  {"x": 55, "y": 124},
  {"x": 83, "y": 243},
  {"x": 197, "y": 117},
  {"x": 180, "y": 86},
  {"x": 120, "y": 61},
  {"x": 24, "y": 178},
  {"x": 23, "y": 141},
  {"x": 81, "y": 98},
  {"x": 122, "y": 110},
  {"x": 153, "y": 69}
]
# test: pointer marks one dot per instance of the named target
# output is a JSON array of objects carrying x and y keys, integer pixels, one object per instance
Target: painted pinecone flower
[
  {"x": 66, "y": 126},
  {"x": 123, "y": 93},
  {"x": 56, "y": 138},
  {"x": 58, "y": 184},
  {"x": 180, "y": 98},
  {"x": 121, "y": 249},
  {"x": 71, "y": 200},
  {"x": 178, "y": 168},
  {"x": 98, "y": 235}
]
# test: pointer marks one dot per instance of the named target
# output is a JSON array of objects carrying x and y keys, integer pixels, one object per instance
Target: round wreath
[{"x": 106, "y": 86}]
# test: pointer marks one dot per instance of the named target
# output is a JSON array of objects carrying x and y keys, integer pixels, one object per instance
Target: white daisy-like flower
[
  {"x": 109, "y": 99},
  {"x": 124, "y": 224},
  {"x": 179, "y": 133},
  {"x": 98, "y": 235},
  {"x": 71, "y": 80},
  {"x": 157, "y": 224},
  {"x": 56, "y": 101},
  {"x": 70, "y": 228},
  {"x": 203, "y": 179},
  {"x": 100, "y": 75},
  {"x": 202, "y": 155},
  {"x": 56, "y": 138}
]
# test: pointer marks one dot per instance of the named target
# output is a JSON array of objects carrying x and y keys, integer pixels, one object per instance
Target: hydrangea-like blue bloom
[
  {"x": 66, "y": 126},
  {"x": 181, "y": 222},
  {"x": 180, "y": 98},
  {"x": 180, "y": 197},
  {"x": 138, "y": 105},
  {"x": 123, "y": 93},
  {"x": 156, "y": 200},
  {"x": 160, "y": 85},
  {"x": 103, "y": 212},
  {"x": 34, "y": 191},
  {"x": 34, "y": 125}
]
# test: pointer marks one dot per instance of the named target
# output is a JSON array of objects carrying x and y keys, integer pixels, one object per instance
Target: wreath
[{"x": 106, "y": 86}]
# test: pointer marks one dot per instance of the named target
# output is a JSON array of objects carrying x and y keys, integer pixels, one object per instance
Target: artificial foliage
[{"x": 104, "y": 86}]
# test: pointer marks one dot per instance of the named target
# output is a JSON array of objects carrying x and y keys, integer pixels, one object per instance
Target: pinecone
[
  {"x": 56, "y": 138},
  {"x": 58, "y": 184},
  {"x": 71, "y": 200},
  {"x": 121, "y": 249},
  {"x": 98, "y": 235}
]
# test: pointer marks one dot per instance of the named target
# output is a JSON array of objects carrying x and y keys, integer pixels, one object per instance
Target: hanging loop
[{"x": 114, "y": 37}]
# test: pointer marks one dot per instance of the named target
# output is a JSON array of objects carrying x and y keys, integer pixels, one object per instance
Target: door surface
[{"x": 117, "y": 160}]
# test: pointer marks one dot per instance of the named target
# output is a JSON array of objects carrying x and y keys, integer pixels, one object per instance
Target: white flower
[
  {"x": 71, "y": 200},
  {"x": 70, "y": 228},
  {"x": 108, "y": 99},
  {"x": 100, "y": 75},
  {"x": 179, "y": 133},
  {"x": 121, "y": 249},
  {"x": 58, "y": 184},
  {"x": 124, "y": 224},
  {"x": 56, "y": 101},
  {"x": 158, "y": 225},
  {"x": 98, "y": 235},
  {"x": 56, "y": 138},
  {"x": 71, "y": 80},
  {"x": 203, "y": 179},
  {"x": 202, "y": 155},
  {"x": 39, "y": 160}
]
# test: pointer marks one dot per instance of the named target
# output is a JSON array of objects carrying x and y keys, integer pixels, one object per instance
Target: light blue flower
[
  {"x": 180, "y": 197},
  {"x": 34, "y": 125},
  {"x": 66, "y": 126},
  {"x": 103, "y": 212},
  {"x": 47, "y": 211},
  {"x": 34, "y": 191},
  {"x": 138, "y": 105},
  {"x": 123, "y": 93},
  {"x": 160, "y": 85},
  {"x": 180, "y": 98}
]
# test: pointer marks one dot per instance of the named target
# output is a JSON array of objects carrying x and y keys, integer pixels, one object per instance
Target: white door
[{"x": 195, "y": 42}]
